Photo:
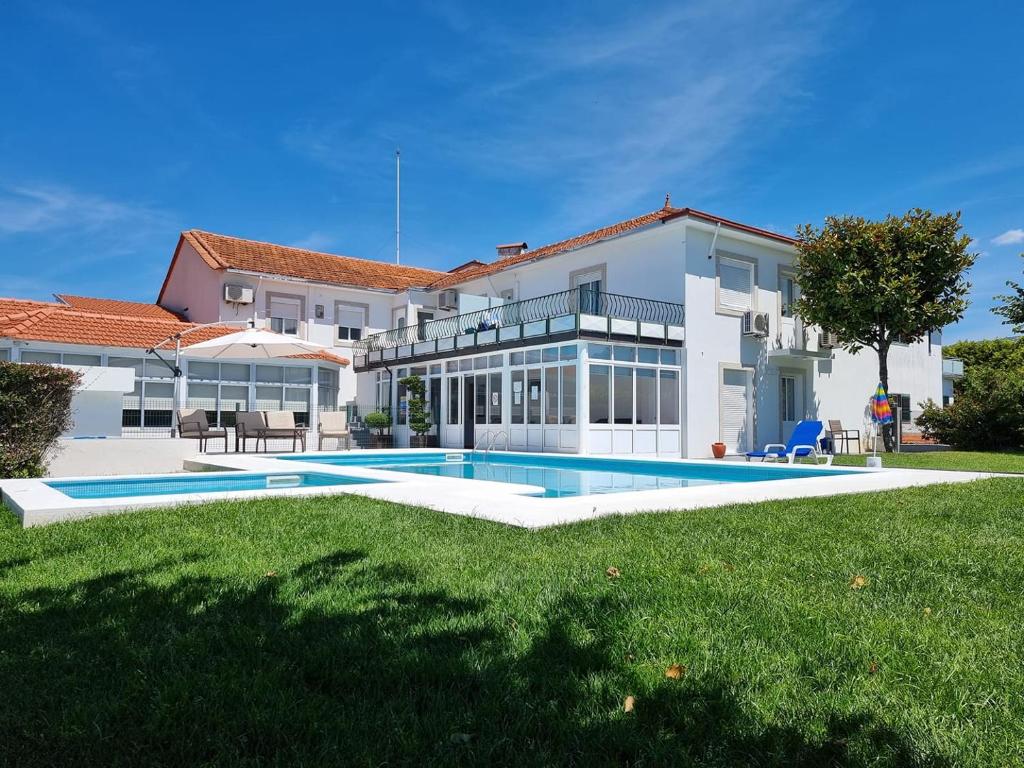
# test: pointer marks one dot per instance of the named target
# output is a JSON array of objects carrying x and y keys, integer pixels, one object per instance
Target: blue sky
[{"x": 125, "y": 123}]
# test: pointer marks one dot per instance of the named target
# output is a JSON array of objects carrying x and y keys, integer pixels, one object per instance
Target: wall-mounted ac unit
[
  {"x": 755, "y": 324},
  {"x": 238, "y": 294},
  {"x": 827, "y": 340},
  {"x": 448, "y": 299}
]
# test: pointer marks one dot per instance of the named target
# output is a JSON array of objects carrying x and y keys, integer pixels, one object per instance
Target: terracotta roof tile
[
  {"x": 13, "y": 306},
  {"x": 224, "y": 252},
  {"x": 118, "y": 307},
  {"x": 659, "y": 216},
  {"x": 69, "y": 325}
]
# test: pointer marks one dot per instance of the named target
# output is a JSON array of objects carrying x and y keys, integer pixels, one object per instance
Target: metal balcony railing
[{"x": 574, "y": 302}]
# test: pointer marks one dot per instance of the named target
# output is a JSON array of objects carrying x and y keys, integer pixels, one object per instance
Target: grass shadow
[{"x": 343, "y": 660}]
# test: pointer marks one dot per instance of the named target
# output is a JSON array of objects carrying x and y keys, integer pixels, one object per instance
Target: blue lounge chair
[{"x": 803, "y": 442}]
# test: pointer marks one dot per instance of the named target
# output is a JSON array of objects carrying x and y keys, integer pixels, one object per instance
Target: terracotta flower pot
[{"x": 718, "y": 450}]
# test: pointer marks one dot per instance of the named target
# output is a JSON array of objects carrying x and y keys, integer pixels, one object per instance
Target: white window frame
[
  {"x": 282, "y": 327},
  {"x": 348, "y": 306}
]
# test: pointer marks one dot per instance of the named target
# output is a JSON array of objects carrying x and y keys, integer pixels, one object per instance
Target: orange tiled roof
[
  {"x": 224, "y": 252},
  {"x": 13, "y": 306},
  {"x": 69, "y": 325},
  {"x": 118, "y": 307},
  {"x": 667, "y": 213}
]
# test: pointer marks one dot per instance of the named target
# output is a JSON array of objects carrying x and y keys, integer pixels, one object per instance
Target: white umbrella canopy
[{"x": 250, "y": 344}]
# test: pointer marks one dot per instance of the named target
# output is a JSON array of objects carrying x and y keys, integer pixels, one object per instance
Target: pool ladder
[{"x": 489, "y": 438}]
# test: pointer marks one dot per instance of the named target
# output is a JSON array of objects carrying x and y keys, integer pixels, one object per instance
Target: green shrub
[
  {"x": 987, "y": 412},
  {"x": 35, "y": 409},
  {"x": 378, "y": 420},
  {"x": 419, "y": 419},
  {"x": 1003, "y": 354}
]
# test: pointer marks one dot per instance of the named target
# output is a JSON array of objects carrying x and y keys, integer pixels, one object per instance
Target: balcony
[
  {"x": 576, "y": 313},
  {"x": 952, "y": 368}
]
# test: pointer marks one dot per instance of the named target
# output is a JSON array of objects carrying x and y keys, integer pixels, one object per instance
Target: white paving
[{"x": 35, "y": 503}]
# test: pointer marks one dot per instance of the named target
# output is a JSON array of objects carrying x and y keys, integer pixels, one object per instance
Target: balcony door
[{"x": 589, "y": 285}]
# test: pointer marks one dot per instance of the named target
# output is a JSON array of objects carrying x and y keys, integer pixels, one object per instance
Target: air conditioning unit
[
  {"x": 448, "y": 300},
  {"x": 827, "y": 340},
  {"x": 755, "y": 324},
  {"x": 238, "y": 294}
]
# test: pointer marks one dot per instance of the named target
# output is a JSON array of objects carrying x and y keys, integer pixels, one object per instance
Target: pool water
[
  {"x": 562, "y": 476},
  {"x": 165, "y": 485}
]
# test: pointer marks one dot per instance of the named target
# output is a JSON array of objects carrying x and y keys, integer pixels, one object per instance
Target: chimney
[{"x": 511, "y": 249}]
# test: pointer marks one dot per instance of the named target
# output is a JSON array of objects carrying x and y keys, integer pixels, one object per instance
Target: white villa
[{"x": 655, "y": 336}]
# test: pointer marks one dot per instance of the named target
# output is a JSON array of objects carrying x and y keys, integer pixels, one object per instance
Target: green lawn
[
  {"x": 345, "y": 630},
  {"x": 967, "y": 461}
]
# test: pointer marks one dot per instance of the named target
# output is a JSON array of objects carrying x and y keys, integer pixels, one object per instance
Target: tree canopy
[
  {"x": 1012, "y": 308},
  {"x": 874, "y": 282}
]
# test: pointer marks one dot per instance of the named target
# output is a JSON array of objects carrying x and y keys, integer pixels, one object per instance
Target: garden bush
[
  {"x": 987, "y": 412},
  {"x": 35, "y": 409}
]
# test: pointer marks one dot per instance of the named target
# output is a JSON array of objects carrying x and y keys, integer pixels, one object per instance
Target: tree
[
  {"x": 1012, "y": 307},
  {"x": 419, "y": 419},
  {"x": 875, "y": 282}
]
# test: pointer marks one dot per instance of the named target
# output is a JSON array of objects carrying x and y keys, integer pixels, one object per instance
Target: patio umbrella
[
  {"x": 881, "y": 413},
  {"x": 249, "y": 344}
]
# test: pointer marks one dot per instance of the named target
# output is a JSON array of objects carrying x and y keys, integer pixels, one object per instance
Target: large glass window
[
  {"x": 518, "y": 397},
  {"x": 494, "y": 398},
  {"x": 5, "y": 354},
  {"x": 568, "y": 394},
  {"x": 49, "y": 358},
  {"x": 668, "y": 395},
  {"x": 600, "y": 393},
  {"x": 480, "y": 398},
  {"x": 551, "y": 395},
  {"x": 787, "y": 291},
  {"x": 623, "y": 395},
  {"x": 533, "y": 396},
  {"x": 454, "y": 413},
  {"x": 72, "y": 359},
  {"x": 646, "y": 396},
  {"x": 266, "y": 374},
  {"x": 403, "y": 402}
]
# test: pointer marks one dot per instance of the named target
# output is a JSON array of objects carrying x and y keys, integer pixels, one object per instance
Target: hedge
[{"x": 35, "y": 409}]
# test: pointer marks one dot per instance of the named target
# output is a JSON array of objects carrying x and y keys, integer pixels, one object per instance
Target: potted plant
[
  {"x": 718, "y": 450},
  {"x": 381, "y": 422},
  {"x": 419, "y": 419}
]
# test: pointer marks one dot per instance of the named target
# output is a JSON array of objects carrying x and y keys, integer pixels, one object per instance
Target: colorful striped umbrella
[{"x": 881, "y": 413}]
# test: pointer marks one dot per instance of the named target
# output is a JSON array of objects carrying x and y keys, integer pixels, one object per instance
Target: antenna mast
[{"x": 398, "y": 206}]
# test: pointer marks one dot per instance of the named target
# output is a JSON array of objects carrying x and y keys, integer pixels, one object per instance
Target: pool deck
[{"x": 35, "y": 503}]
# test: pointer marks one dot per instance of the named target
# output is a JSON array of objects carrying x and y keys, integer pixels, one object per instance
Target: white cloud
[
  {"x": 47, "y": 208},
  {"x": 607, "y": 111},
  {"x": 315, "y": 241},
  {"x": 1010, "y": 237}
]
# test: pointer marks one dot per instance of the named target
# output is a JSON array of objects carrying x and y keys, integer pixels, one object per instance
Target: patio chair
[
  {"x": 844, "y": 436},
  {"x": 192, "y": 425},
  {"x": 803, "y": 442},
  {"x": 249, "y": 425},
  {"x": 334, "y": 424},
  {"x": 282, "y": 424}
]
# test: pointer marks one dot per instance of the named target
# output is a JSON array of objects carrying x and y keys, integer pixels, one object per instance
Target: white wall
[{"x": 194, "y": 286}]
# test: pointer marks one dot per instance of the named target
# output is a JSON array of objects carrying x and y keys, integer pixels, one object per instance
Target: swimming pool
[
  {"x": 167, "y": 485},
  {"x": 567, "y": 476}
]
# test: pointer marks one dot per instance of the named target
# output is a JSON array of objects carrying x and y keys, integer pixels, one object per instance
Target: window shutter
[
  {"x": 735, "y": 284},
  {"x": 733, "y": 399}
]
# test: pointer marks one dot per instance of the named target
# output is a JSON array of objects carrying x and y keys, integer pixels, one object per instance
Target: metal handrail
[
  {"x": 572, "y": 302},
  {"x": 490, "y": 437}
]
